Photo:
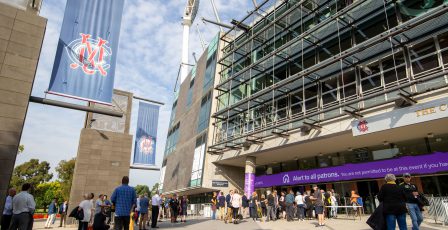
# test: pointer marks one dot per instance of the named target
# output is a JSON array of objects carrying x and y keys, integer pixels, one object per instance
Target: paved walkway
[{"x": 247, "y": 224}]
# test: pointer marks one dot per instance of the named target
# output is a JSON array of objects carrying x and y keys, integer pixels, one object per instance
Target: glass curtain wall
[{"x": 305, "y": 41}]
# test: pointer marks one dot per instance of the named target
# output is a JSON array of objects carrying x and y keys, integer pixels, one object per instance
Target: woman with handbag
[
  {"x": 86, "y": 208},
  {"x": 393, "y": 199}
]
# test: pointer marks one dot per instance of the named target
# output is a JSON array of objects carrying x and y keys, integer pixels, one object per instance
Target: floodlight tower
[{"x": 189, "y": 15}]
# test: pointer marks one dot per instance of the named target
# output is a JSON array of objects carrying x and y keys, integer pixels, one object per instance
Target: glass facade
[{"x": 311, "y": 59}]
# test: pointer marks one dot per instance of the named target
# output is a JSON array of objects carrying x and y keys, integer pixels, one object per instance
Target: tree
[
  {"x": 21, "y": 148},
  {"x": 155, "y": 188},
  {"x": 142, "y": 189},
  {"x": 44, "y": 193},
  {"x": 31, "y": 172},
  {"x": 65, "y": 170}
]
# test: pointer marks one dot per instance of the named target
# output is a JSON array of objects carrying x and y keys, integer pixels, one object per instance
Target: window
[
  {"x": 173, "y": 113},
  {"x": 423, "y": 56},
  {"x": 210, "y": 71},
  {"x": 394, "y": 69},
  {"x": 297, "y": 103},
  {"x": 190, "y": 93},
  {"x": 173, "y": 137},
  {"x": 198, "y": 161},
  {"x": 329, "y": 91},
  {"x": 370, "y": 78},
  {"x": 204, "y": 113},
  {"x": 311, "y": 98}
]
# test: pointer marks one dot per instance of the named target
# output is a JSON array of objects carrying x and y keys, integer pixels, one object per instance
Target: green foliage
[
  {"x": 142, "y": 189},
  {"x": 65, "y": 170},
  {"x": 31, "y": 172},
  {"x": 21, "y": 148},
  {"x": 155, "y": 188},
  {"x": 45, "y": 193}
]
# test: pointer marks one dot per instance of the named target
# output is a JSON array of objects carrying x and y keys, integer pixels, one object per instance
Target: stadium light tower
[{"x": 189, "y": 15}]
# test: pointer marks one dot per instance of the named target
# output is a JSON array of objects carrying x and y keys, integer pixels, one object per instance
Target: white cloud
[{"x": 149, "y": 57}]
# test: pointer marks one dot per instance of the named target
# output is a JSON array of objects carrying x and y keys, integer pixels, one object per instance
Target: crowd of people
[
  {"x": 273, "y": 206},
  {"x": 129, "y": 211},
  {"x": 395, "y": 201}
]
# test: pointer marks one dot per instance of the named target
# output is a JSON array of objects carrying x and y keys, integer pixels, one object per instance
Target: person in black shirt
[
  {"x": 271, "y": 206},
  {"x": 318, "y": 205},
  {"x": 394, "y": 206},
  {"x": 174, "y": 208},
  {"x": 253, "y": 206},
  {"x": 99, "y": 221},
  {"x": 309, "y": 205},
  {"x": 411, "y": 193},
  {"x": 245, "y": 204}
]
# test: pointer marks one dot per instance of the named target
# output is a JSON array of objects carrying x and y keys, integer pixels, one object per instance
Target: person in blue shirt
[
  {"x": 144, "y": 206},
  {"x": 52, "y": 210},
  {"x": 124, "y": 198},
  {"x": 63, "y": 213},
  {"x": 222, "y": 206}
]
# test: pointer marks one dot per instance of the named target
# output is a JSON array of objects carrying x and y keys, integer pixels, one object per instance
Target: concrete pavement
[{"x": 248, "y": 224}]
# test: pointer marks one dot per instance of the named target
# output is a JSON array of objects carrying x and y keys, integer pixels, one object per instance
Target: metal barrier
[
  {"x": 437, "y": 209},
  {"x": 199, "y": 210}
]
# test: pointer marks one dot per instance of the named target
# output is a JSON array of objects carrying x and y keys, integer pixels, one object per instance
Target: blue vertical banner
[
  {"x": 84, "y": 66},
  {"x": 146, "y": 136}
]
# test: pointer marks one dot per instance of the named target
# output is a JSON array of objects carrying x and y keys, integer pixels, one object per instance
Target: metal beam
[
  {"x": 84, "y": 108},
  {"x": 218, "y": 23},
  {"x": 143, "y": 167},
  {"x": 148, "y": 100}
]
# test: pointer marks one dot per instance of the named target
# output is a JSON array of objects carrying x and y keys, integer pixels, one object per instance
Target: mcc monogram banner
[
  {"x": 146, "y": 136},
  {"x": 84, "y": 66}
]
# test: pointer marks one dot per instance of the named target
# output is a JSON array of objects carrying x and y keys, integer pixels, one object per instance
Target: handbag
[
  {"x": 422, "y": 200},
  {"x": 80, "y": 214}
]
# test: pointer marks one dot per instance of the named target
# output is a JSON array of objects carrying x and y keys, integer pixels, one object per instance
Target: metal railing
[{"x": 437, "y": 209}]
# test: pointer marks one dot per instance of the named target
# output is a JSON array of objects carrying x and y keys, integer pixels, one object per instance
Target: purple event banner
[
  {"x": 249, "y": 179},
  {"x": 423, "y": 164}
]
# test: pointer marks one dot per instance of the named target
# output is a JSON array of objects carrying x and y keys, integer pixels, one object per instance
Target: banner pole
[
  {"x": 148, "y": 100},
  {"x": 84, "y": 108}
]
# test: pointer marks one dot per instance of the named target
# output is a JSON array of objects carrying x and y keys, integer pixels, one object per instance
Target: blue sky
[{"x": 149, "y": 57}]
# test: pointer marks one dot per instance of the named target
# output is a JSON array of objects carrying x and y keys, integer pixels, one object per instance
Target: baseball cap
[{"x": 406, "y": 175}]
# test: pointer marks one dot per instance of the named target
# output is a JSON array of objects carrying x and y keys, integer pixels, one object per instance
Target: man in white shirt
[
  {"x": 155, "y": 203},
  {"x": 23, "y": 207},
  {"x": 300, "y": 206},
  {"x": 7, "y": 211}
]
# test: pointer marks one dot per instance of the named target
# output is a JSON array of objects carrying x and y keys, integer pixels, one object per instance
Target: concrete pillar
[
  {"x": 249, "y": 178},
  {"x": 21, "y": 35}
]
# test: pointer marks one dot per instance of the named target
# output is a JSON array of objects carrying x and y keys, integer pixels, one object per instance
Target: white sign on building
[{"x": 418, "y": 113}]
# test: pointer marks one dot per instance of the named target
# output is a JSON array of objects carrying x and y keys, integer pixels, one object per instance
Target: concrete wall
[
  {"x": 180, "y": 162},
  {"x": 103, "y": 155},
  {"x": 103, "y": 159},
  {"x": 21, "y": 36}
]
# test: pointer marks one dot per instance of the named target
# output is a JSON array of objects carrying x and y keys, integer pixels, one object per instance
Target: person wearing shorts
[{"x": 318, "y": 205}]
